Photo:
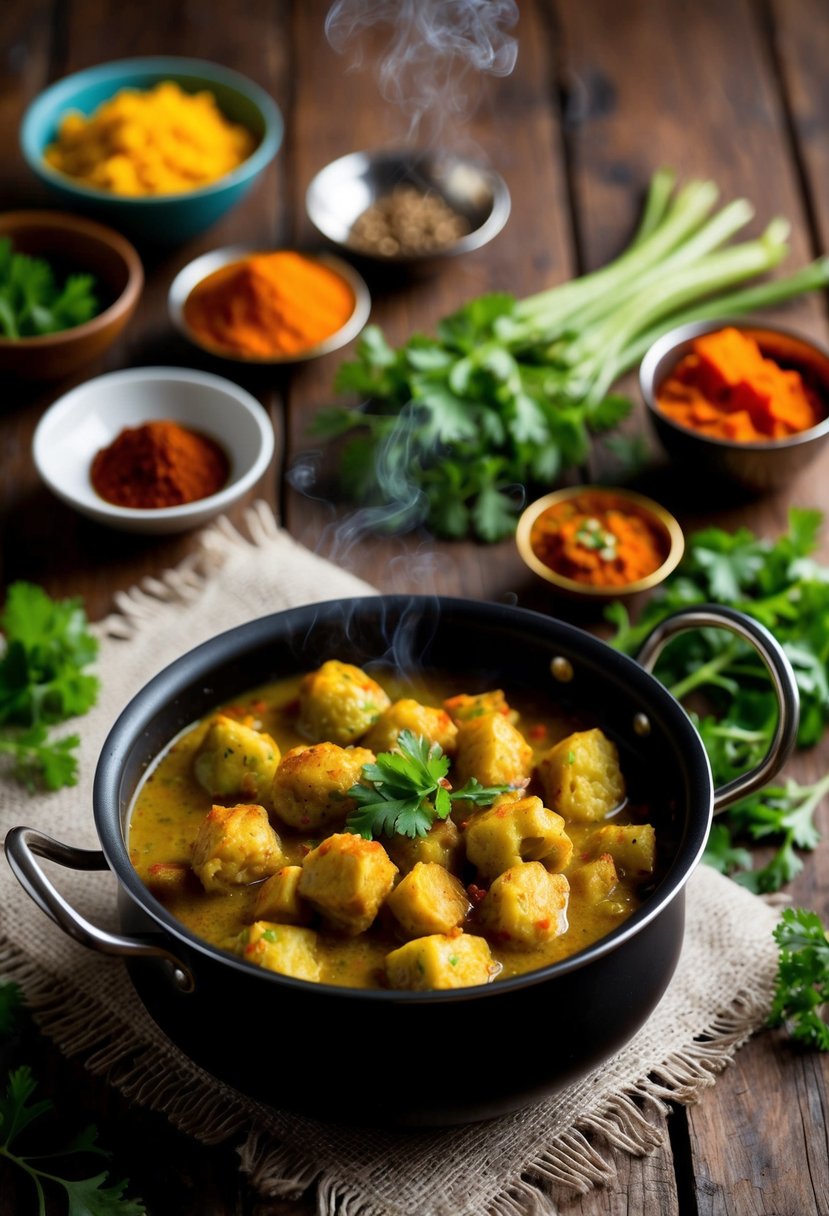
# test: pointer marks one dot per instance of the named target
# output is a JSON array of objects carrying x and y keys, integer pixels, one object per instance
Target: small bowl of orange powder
[
  {"x": 743, "y": 402},
  {"x": 268, "y": 306},
  {"x": 153, "y": 449},
  {"x": 599, "y": 542}
]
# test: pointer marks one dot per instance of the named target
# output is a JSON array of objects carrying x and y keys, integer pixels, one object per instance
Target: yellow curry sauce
[{"x": 171, "y": 805}]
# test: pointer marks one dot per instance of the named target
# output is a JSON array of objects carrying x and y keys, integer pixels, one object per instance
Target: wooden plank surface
[{"x": 601, "y": 95}]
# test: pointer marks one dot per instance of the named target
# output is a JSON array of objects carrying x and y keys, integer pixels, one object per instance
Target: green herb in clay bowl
[
  {"x": 35, "y": 300},
  {"x": 450, "y": 432},
  {"x": 68, "y": 286}
]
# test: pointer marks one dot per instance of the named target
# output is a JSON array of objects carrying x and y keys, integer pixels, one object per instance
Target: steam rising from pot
[{"x": 437, "y": 51}]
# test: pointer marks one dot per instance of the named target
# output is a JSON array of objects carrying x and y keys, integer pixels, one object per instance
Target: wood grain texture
[{"x": 602, "y": 94}]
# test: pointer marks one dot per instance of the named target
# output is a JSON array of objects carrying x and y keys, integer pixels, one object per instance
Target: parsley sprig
[
  {"x": 406, "y": 791},
  {"x": 32, "y": 300},
  {"x": 781, "y": 585},
  {"x": 802, "y": 984},
  {"x": 20, "y": 1120},
  {"x": 43, "y": 682}
]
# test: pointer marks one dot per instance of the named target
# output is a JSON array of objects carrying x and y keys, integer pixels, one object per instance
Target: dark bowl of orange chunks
[
  {"x": 741, "y": 403},
  {"x": 424, "y": 827}
]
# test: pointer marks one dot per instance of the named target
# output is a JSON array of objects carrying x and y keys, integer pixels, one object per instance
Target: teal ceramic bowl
[{"x": 166, "y": 218}]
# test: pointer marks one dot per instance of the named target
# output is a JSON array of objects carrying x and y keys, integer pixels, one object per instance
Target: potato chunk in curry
[
  {"x": 234, "y": 760},
  {"x": 440, "y": 960},
  {"x": 632, "y": 846},
  {"x": 442, "y": 844},
  {"x": 581, "y": 776},
  {"x": 235, "y": 845},
  {"x": 594, "y": 880},
  {"x": 494, "y": 751},
  {"x": 338, "y": 703},
  {"x": 311, "y": 784},
  {"x": 346, "y": 879},
  {"x": 282, "y": 948},
  {"x": 525, "y": 906},
  {"x": 278, "y": 898},
  {"x": 429, "y": 900},
  {"x": 433, "y": 724},
  {"x": 515, "y": 830}
]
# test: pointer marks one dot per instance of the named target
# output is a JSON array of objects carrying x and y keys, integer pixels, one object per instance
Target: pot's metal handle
[
  {"x": 23, "y": 845},
  {"x": 778, "y": 666}
]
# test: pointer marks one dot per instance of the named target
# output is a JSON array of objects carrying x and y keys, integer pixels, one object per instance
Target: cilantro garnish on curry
[{"x": 335, "y": 827}]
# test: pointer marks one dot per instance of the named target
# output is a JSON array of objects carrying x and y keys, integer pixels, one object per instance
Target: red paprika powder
[{"x": 159, "y": 464}]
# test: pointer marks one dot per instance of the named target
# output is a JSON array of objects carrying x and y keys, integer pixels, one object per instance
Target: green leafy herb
[
  {"x": 406, "y": 791},
  {"x": 785, "y": 814},
  {"x": 782, "y": 586},
  {"x": 33, "y": 302},
  {"x": 85, "y": 1196},
  {"x": 802, "y": 985},
  {"x": 43, "y": 682},
  {"x": 19, "y": 1114},
  {"x": 510, "y": 393}
]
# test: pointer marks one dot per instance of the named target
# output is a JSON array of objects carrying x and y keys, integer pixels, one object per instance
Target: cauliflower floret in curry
[
  {"x": 234, "y": 760},
  {"x": 338, "y": 703},
  {"x": 311, "y": 784},
  {"x": 235, "y": 845}
]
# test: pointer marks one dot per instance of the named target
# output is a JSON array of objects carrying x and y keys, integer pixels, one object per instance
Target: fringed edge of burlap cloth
[{"x": 577, "y": 1161}]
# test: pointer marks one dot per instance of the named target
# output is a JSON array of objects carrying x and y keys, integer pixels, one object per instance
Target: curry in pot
[{"x": 361, "y": 832}]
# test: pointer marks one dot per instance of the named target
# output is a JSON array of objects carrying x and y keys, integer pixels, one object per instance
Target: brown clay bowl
[{"x": 72, "y": 244}]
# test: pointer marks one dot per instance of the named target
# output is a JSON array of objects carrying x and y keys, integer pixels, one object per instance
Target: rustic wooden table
[{"x": 602, "y": 94}]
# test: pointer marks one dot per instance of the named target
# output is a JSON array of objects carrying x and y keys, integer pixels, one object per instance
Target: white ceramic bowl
[
  {"x": 89, "y": 417},
  {"x": 194, "y": 272}
]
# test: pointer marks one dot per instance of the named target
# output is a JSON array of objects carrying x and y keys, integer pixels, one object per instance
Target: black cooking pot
[{"x": 414, "y": 1057}]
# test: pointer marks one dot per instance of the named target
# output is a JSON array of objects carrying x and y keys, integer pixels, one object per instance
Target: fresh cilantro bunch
[
  {"x": 20, "y": 1122},
  {"x": 457, "y": 426},
  {"x": 33, "y": 302},
  {"x": 406, "y": 791},
  {"x": 802, "y": 985},
  {"x": 453, "y": 430},
  {"x": 43, "y": 682},
  {"x": 781, "y": 585}
]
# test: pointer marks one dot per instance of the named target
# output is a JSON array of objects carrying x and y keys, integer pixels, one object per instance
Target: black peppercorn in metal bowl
[{"x": 407, "y": 207}]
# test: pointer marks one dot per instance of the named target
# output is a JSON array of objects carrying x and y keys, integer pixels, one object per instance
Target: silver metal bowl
[
  {"x": 194, "y": 272},
  {"x": 344, "y": 189},
  {"x": 752, "y": 468}
]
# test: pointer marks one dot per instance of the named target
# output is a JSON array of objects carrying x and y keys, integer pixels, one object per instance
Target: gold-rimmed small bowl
[{"x": 664, "y": 529}]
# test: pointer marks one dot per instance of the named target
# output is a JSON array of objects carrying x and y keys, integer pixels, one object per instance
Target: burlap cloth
[{"x": 517, "y": 1164}]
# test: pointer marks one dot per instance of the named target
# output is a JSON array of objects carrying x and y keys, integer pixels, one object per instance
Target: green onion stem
[
  {"x": 691, "y": 206},
  {"x": 658, "y": 199},
  {"x": 813, "y": 277}
]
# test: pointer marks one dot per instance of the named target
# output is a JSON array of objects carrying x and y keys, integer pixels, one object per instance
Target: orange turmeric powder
[
  {"x": 728, "y": 388},
  {"x": 598, "y": 539},
  {"x": 269, "y": 305}
]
